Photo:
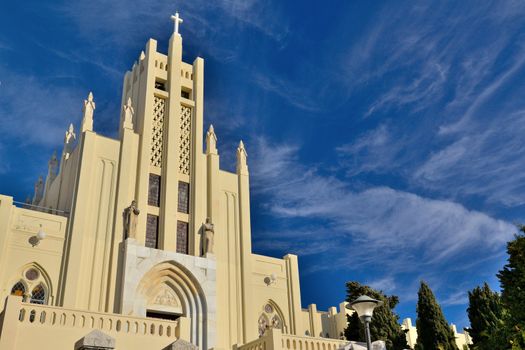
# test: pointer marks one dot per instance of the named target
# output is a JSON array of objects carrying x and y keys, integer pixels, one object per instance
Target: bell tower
[{"x": 166, "y": 95}]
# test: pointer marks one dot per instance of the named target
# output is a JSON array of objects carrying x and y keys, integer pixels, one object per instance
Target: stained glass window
[
  {"x": 154, "y": 190},
  {"x": 18, "y": 289},
  {"x": 32, "y": 274},
  {"x": 182, "y": 237},
  {"x": 38, "y": 295},
  {"x": 184, "y": 197},
  {"x": 152, "y": 231}
]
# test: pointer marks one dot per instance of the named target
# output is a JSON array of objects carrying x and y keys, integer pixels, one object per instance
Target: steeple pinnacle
[
  {"x": 211, "y": 141},
  {"x": 242, "y": 165},
  {"x": 87, "y": 114}
]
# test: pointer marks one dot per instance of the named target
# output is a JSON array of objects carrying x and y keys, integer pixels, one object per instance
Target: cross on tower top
[{"x": 176, "y": 21}]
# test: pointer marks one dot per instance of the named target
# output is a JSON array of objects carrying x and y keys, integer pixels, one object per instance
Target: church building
[{"x": 143, "y": 242}]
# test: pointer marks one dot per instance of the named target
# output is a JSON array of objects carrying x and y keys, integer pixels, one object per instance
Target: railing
[
  {"x": 52, "y": 316},
  {"x": 275, "y": 340},
  {"x": 37, "y": 207},
  {"x": 294, "y": 342},
  {"x": 258, "y": 344}
]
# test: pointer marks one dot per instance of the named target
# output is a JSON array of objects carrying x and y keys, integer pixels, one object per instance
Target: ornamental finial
[{"x": 176, "y": 21}]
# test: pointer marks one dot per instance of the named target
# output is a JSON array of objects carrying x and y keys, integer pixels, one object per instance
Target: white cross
[{"x": 176, "y": 19}]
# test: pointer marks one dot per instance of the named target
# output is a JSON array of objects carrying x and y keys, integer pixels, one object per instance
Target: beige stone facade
[
  {"x": 462, "y": 339},
  {"x": 143, "y": 241}
]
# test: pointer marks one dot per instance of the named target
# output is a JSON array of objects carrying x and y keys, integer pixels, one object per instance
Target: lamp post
[{"x": 364, "y": 306}]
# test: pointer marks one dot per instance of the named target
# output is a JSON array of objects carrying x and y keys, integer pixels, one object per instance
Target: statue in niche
[
  {"x": 69, "y": 137},
  {"x": 130, "y": 220},
  {"x": 207, "y": 239}
]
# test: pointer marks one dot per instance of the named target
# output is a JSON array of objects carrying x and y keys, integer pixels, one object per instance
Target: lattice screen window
[
  {"x": 182, "y": 237},
  {"x": 184, "y": 145},
  {"x": 159, "y": 107}
]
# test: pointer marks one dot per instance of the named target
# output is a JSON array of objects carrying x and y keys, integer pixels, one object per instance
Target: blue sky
[{"x": 385, "y": 139}]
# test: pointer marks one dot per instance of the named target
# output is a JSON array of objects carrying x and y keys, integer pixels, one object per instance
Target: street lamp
[
  {"x": 364, "y": 306},
  {"x": 40, "y": 235}
]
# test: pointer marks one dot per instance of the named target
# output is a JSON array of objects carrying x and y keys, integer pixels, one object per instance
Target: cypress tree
[
  {"x": 385, "y": 322},
  {"x": 485, "y": 314},
  {"x": 433, "y": 331},
  {"x": 512, "y": 280}
]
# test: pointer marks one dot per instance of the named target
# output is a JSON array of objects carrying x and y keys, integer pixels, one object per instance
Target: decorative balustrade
[
  {"x": 52, "y": 316},
  {"x": 275, "y": 340},
  {"x": 258, "y": 344},
  {"x": 294, "y": 342}
]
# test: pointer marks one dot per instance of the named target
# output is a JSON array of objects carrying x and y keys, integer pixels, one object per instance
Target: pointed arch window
[
  {"x": 19, "y": 289},
  {"x": 33, "y": 285},
  {"x": 38, "y": 295}
]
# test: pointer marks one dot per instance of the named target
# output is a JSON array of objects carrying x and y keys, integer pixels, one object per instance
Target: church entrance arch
[{"x": 168, "y": 290}]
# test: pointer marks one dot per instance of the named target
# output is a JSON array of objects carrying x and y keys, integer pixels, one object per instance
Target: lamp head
[
  {"x": 364, "y": 306},
  {"x": 40, "y": 234},
  {"x": 270, "y": 279}
]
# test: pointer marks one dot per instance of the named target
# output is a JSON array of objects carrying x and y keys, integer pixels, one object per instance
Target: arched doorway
[{"x": 168, "y": 290}]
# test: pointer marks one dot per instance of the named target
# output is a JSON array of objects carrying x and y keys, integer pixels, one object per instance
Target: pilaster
[
  {"x": 249, "y": 319},
  {"x": 145, "y": 72},
  {"x": 125, "y": 194},
  {"x": 294, "y": 292},
  {"x": 72, "y": 289},
  {"x": 198, "y": 162},
  {"x": 212, "y": 172},
  {"x": 170, "y": 161}
]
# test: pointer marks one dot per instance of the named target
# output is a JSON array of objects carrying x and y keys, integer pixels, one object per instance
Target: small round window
[
  {"x": 268, "y": 309},
  {"x": 32, "y": 274}
]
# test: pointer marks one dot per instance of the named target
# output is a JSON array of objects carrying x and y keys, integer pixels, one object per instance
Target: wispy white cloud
[
  {"x": 396, "y": 234},
  {"x": 457, "y": 298},
  {"x": 374, "y": 151},
  {"x": 386, "y": 284},
  {"x": 485, "y": 94},
  {"x": 377, "y": 224},
  {"x": 485, "y": 161},
  {"x": 34, "y": 114},
  {"x": 124, "y": 22},
  {"x": 451, "y": 99}
]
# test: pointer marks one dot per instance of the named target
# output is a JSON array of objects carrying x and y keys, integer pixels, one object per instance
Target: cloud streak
[{"x": 386, "y": 223}]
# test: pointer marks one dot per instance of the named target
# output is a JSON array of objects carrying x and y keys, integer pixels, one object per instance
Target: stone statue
[
  {"x": 127, "y": 115},
  {"x": 207, "y": 239},
  {"x": 68, "y": 142},
  {"x": 130, "y": 220}
]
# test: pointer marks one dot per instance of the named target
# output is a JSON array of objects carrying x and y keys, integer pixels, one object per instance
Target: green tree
[
  {"x": 512, "y": 280},
  {"x": 385, "y": 322},
  {"x": 433, "y": 331},
  {"x": 485, "y": 313}
]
